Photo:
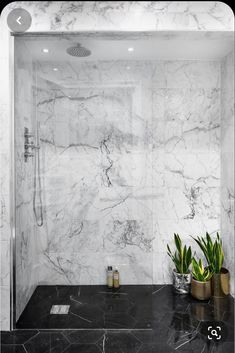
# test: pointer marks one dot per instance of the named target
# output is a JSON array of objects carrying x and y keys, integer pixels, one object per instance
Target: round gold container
[
  {"x": 220, "y": 283},
  {"x": 201, "y": 290}
]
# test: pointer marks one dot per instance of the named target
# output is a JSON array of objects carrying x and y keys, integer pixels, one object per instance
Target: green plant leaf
[
  {"x": 168, "y": 248},
  {"x": 182, "y": 257},
  {"x": 188, "y": 258},
  {"x": 199, "y": 272},
  {"x": 178, "y": 243}
]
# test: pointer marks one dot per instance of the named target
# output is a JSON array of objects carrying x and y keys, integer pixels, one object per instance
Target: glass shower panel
[
  {"x": 25, "y": 261},
  {"x": 92, "y": 196}
]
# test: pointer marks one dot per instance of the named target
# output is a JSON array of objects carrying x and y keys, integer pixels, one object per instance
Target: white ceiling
[{"x": 147, "y": 46}]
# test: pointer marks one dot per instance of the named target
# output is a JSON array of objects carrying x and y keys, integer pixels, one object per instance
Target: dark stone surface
[
  {"x": 47, "y": 342},
  {"x": 91, "y": 307},
  {"x": 82, "y": 348},
  {"x": 17, "y": 336},
  {"x": 84, "y": 336},
  {"x": 119, "y": 342},
  {"x": 179, "y": 323},
  {"x": 12, "y": 349}
]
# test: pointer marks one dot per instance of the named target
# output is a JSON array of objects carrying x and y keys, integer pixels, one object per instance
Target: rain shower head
[{"x": 78, "y": 51}]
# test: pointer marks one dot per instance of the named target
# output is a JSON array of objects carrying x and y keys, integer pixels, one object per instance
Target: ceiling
[{"x": 147, "y": 46}]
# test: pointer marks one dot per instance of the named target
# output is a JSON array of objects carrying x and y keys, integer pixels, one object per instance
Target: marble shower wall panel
[
  {"x": 227, "y": 161},
  {"x": 97, "y": 174},
  {"x": 26, "y": 278},
  {"x": 130, "y": 156},
  {"x": 185, "y": 155}
]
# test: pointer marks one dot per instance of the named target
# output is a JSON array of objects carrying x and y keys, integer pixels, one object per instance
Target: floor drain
[{"x": 59, "y": 309}]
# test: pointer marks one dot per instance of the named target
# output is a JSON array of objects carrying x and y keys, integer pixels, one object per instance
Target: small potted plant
[
  {"x": 182, "y": 259},
  {"x": 214, "y": 255},
  {"x": 201, "y": 281}
]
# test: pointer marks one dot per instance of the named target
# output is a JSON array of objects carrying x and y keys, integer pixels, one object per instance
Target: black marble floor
[
  {"x": 91, "y": 307},
  {"x": 179, "y": 324}
]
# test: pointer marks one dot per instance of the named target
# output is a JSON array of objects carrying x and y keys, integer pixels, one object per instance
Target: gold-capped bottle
[{"x": 116, "y": 279}]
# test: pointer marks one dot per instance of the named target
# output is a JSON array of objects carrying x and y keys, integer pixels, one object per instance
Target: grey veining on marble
[
  {"x": 128, "y": 15},
  {"x": 128, "y": 158},
  {"x": 227, "y": 161}
]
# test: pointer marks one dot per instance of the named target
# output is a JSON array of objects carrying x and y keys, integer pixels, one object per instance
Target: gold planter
[
  {"x": 201, "y": 290},
  {"x": 220, "y": 283}
]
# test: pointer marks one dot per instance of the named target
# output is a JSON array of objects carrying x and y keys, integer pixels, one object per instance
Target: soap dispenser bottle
[
  {"x": 116, "y": 279},
  {"x": 110, "y": 277}
]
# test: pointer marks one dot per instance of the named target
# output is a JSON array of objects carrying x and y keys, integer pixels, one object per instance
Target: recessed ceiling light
[
  {"x": 45, "y": 50},
  {"x": 128, "y": 67},
  {"x": 55, "y": 69},
  {"x": 130, "y": 49}
]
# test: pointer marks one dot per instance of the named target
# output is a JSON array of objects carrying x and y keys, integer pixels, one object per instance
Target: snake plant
[
  {"x": 182, "y": 257},
  {"x": 199, "y": 272},
  {"x": 213, "y": 251}
]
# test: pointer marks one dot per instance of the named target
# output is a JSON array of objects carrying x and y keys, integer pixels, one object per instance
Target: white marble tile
[
  {"x": 90, "y": 268},
  {"x": 4, "y": 139},
  {"x": 125, "y": 15},
  {"x": 5, "y": 230},
  {"x": 227, "y": 162},
  {"x": 164, "y": 230},
  {"x": 192, "y": 74},
  {"x": 190, "y": 202},
  {"x": 5, "y": 308},
  {"x": 193, "y": 105},
  {"x": 162, "y": 267},
  {"x": 5, "y": 263},
  {"x": 129, "y": 185}
]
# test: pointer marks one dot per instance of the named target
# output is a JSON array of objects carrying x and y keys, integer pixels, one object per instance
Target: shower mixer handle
[
  {"x": 31, "y": 145},
  {"x": 35, "y": 147},
  {"x": 27, "y": 134},
  {"x": 27, "y": 155}
]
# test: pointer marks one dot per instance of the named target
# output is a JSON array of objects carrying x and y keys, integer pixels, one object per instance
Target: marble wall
[
  {"x": 227, "y": 161},
  {"x": 5, "y": 186},
  {"x": 128, "y": 15},
  {"x": 130, "y": 156},
  {"x": 88, "y": 16},
  {"x": 96, "y": 165}
]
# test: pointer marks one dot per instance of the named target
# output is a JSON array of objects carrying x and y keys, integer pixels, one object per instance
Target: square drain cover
[{"x": 59, "y": 309}]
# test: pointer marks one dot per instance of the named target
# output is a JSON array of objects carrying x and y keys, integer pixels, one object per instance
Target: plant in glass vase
[{"x": 182, "y": 259}]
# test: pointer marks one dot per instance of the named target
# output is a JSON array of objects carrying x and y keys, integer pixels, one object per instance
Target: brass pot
[
  {"x": 220, "y": 283},
  {"x": 201, "y": 290}
]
